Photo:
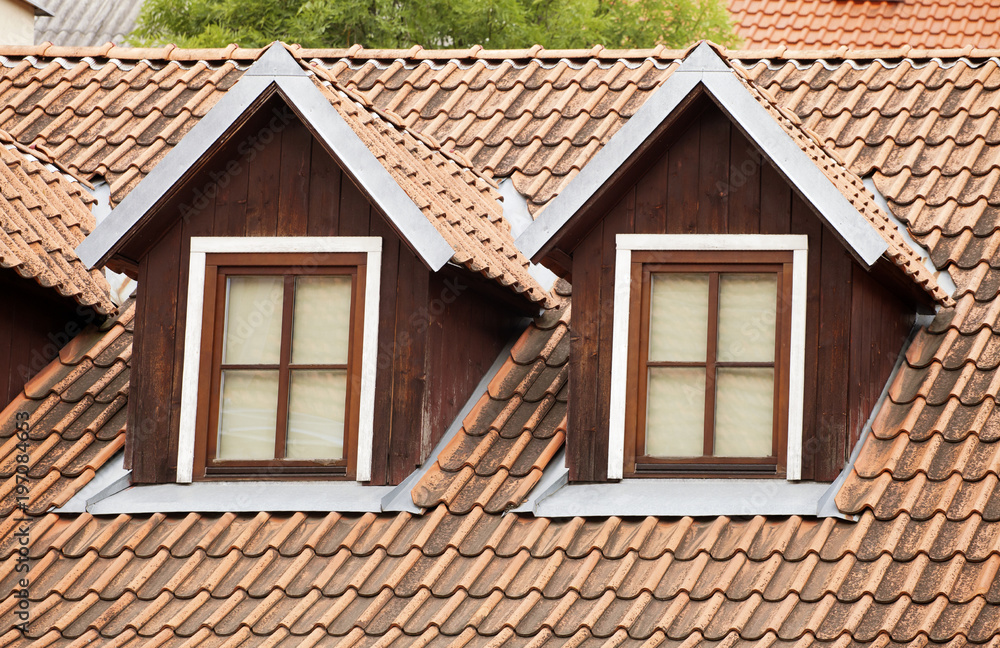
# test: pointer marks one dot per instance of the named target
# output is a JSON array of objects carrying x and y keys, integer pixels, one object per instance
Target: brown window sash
[
  {"x": 219, "y": 267},
  {"x": 713, "y": 264}
]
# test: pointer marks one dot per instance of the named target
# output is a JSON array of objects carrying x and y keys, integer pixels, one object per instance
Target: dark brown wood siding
[
  {"x": 265, "y": 183},
  {"x": 35, "y": 323},
  {"x": 710, "y": 179}
]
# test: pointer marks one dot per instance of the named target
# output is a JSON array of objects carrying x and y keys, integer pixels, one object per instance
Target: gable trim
[
  {"x": 270, "y": 74},
  {"x": 704, "y": 69}
]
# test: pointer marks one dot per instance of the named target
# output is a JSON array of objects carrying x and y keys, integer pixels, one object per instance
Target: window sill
[{"x": 554, "y": 497}]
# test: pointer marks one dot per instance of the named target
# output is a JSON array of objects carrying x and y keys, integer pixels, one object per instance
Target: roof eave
[
  {"x": 275, "y": 71},
  {"x": 704, "y": 70}
]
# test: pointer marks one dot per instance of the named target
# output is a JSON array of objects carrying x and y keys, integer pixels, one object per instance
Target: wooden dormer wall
[
  {"x": 711, "y": 180},
  {"x": 432, "y": 352}
]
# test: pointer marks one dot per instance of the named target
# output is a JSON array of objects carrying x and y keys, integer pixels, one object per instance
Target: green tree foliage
[{"x": 496, "y": 24}]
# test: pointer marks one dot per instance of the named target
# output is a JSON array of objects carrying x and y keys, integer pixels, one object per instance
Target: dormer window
[
  {"x": 707, "y": 366},
  {"x": 280, "y": 358},
  {"x": 711, "y": 367},
  {"x": 284, "y": 370}
]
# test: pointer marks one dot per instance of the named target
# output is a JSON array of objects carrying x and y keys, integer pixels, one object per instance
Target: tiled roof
[
  {"x": 43, "y": 217},
  {"x": 443, "y": 580},
  {"x": 917, "y": 567},
  {"x": 87, "y": 22},
  {"x": 76, "y": 408},
  {"x": 464, "y": 206},
  {"x": 479, "y": 578},
  {"x": 515, "y": 429},
  {"x": 866, "y": 24},
  {"x": 851, "y": 187}
]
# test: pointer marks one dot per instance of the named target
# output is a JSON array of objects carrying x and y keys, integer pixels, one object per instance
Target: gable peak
[{"x": 276, "y": 61}]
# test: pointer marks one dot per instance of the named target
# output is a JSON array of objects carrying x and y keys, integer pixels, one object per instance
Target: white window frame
[
  {"x": 798, "y": 244},
  {"x": 202, "y": 246}
]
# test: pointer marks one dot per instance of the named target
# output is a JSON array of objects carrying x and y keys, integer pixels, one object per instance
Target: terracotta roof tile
[
  {"x": 736, "y": 581},
  {"x": 46, "y": 214},
  {"x": 76, "y": 408},
  {"x": 865, "y": 24}
]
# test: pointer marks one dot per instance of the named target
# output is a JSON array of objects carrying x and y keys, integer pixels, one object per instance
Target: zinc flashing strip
[
  {"x": 704, "y": 67},
  {"x": 308, "y": 102}
]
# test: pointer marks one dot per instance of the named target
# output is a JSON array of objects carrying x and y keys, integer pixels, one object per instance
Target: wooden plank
[
  {"x": 324, "y": 194},
  {"x": 833, "y": 357},
  {"x": 585, "y": 329},
  {"x": 230, "y": 210},
  {"x": 386, "y": 349},
  {"x": 713, "y": 172},
  {"x": 264, "y": 186},
  {"x": 200, "y": 224},
  {"x": 860, "y": 346},
  {"x": 620, "y": 220},
  {"x": 293, "y": 197},
  {"x": 151, "y": 426},
  {"x": 775, "y": 202},
  {"x": 651, "y": 198},
  {"x": 409, "y": 379},
  {"x": 682, "y": 183},
  {"x": 744, "y": 185},
  {"x": 356, "y": 213},
  {"x": 803, "y": 221}
]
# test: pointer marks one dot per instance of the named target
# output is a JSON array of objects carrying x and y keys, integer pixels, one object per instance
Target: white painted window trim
[
  {"x": 626, "y": 244},
  {"x": 200, "y": 247}
]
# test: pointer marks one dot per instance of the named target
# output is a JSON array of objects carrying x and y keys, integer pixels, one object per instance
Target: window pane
[
  {"x": 747, "y": 315},
  {"x": 744, "y": 409},
  {"x": 675, "y": 412},
  {"x": 678, "y": 317},
  {"x": 322, "y": 320},
  {"x": 316, "y": 415},
  {"x": 247, "y": 415},
  {"x": 253, "y": 320}
]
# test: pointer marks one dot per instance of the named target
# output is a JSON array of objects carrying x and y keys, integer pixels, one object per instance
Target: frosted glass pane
[
  {"x": 675, "y": 412},
  {"x": 322, "y": 320},
  {"x": 316, "y": 415},
  {"x": 248, "y": 415},
  {"x": 747, "y": 314},
  {"x": 744, "y": 407},
  {"x": 678, "y": 317},
  {"x": 253, "y": 320}
]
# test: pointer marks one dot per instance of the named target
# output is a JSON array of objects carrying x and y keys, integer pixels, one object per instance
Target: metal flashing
[
  {"x": 274, "y": 62},
  {"x": 319, "y": 115},
  {"x": 704, "y": 68},
  {"x": 107, "y": 477},
  {"x": 680, "y": 497},
  {"x": 243, "y": 496}
]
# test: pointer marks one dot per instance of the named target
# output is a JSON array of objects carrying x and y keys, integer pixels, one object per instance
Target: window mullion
[
  {"x": 713, "y": 337},
  {"x": 287, "y": 304}
]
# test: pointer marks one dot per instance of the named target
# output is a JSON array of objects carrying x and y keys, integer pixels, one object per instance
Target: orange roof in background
[
  {"x": 918, "y": 567},
  {"x": 866, "y": 24}
]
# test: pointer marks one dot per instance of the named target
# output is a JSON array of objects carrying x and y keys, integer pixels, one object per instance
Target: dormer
[
  {"x": 739, "y": 298},
  {"x": 309, "y": 272}
]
